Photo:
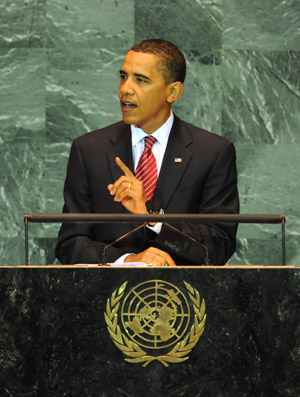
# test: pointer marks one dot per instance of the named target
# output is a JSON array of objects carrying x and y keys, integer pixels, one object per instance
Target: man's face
[{"x": 143, "y": 92}]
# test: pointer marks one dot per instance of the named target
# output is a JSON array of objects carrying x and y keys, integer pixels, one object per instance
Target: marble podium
[{"x": 55, "y": 339}]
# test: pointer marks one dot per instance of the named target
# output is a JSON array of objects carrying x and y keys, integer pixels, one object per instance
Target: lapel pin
[{"x": 178, "y": 160}]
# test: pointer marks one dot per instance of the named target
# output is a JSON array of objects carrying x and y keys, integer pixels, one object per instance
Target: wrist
[
  {"x": 156, "y": 212},
  {"x": 129, "y": 258}
]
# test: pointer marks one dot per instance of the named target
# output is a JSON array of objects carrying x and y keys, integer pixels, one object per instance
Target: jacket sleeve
[{"x": 76, "y": 242}]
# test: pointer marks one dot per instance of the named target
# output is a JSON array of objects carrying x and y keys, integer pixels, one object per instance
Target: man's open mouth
[{"x": 128, "y": 105}]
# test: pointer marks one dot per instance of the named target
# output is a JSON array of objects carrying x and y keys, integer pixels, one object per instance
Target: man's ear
[{"x": 175, "y": 90}]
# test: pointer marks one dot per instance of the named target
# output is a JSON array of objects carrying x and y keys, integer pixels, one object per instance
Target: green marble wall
[{"x": 59, "y": 63}]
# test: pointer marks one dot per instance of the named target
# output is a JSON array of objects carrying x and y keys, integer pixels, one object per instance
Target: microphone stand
[
  {"x": 153, "y": 207},
  {"x": 206, "y": 259},
  {"x": 116, "y": 241}
]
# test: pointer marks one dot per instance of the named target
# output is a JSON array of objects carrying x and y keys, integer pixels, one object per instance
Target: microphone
[
  {"x": 155, "y": 207},
  {"x": 117, "y": 240}
]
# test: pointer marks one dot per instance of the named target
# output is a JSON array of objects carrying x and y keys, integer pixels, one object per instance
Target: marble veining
[
  {"x": 59, "y": 64},
  {"x": 54, "y": 339}
]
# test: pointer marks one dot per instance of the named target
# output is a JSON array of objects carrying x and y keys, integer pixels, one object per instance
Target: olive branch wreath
[{"x": 134, "y": 351}]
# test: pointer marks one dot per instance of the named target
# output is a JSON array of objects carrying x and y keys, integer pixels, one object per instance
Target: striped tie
[{"x": 146, "y": 170}]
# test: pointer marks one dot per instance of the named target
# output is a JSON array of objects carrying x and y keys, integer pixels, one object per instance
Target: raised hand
[{"x": 129, "y": 190}]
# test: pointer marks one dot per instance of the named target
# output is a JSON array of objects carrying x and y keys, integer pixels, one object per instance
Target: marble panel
[
  {"x": 261, "y": 25},
  {"x": 82, "y": 92},
  {"x": 267, "y": 250},
  {"x": 56, "y": 159},
  {"x": 41, "y": 250},
  {"x": 22, "y": 100},
  {"x": 268, "y": 179},
  {"x": 21, "y": 180},
  {"x": 250, "y": 96},
  {"x": 22, "y": 23},
  {"x": 57, "y": 155},
  {"x": 201, "y": 101},
  {"x": 191, "y": 25},
  {"x": 268, "y": 183},
  {"x": 12, "y": 250},
  {"x": 90, "y": 23},
  {"x": 261, "y": 96}
]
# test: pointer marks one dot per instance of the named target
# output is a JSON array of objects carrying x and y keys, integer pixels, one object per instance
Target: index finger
[{"x": 123, "y": 167}]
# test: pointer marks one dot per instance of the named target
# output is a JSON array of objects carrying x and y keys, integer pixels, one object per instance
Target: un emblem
[{"x": 153, "y": 321}]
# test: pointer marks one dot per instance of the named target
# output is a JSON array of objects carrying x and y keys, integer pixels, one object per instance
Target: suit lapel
[
  {"x": 176, "y": 159},
  {"x": 120, "y": 147}
]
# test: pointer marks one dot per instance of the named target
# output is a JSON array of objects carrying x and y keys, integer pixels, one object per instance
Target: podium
[{"x": 76, "y": 331}]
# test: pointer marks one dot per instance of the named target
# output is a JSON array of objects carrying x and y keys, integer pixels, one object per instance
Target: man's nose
[{"x": 126, "y": 87}]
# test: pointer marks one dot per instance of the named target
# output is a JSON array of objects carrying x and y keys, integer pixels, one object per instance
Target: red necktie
[{"x": 146, "y": 170}]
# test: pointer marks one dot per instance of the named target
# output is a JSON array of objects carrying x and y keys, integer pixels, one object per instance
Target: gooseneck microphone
[
  {"x": 154, "y": 207},
  {"x": 104, "y": 262}
]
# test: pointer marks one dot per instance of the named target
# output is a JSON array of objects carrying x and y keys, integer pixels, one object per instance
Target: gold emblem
[{"x": 155, "y": 317}]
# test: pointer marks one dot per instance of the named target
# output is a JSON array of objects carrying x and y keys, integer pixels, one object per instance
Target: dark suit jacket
[{"x": 204, "y": 182}]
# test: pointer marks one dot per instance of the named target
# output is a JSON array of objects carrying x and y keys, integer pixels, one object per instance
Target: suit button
[{"x": 171, "y": 246}]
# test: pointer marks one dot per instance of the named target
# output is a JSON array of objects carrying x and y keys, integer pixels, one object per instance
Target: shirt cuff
[
  {"x": 156, "y": 228},
  {"x": 122, "y": 258}
]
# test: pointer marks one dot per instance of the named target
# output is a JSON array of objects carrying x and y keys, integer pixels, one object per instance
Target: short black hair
[{"x": 171, "y": 61}]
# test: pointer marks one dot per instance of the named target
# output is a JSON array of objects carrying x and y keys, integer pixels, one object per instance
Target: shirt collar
[{"x": 162, "y": 134}]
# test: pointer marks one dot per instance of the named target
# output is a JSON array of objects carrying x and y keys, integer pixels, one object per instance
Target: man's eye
[
  {"x": 122, "y": 76},
  {"x": 140, "y": 80}
]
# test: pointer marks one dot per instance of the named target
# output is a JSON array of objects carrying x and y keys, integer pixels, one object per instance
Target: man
[{"x": 192, "y": 171}]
